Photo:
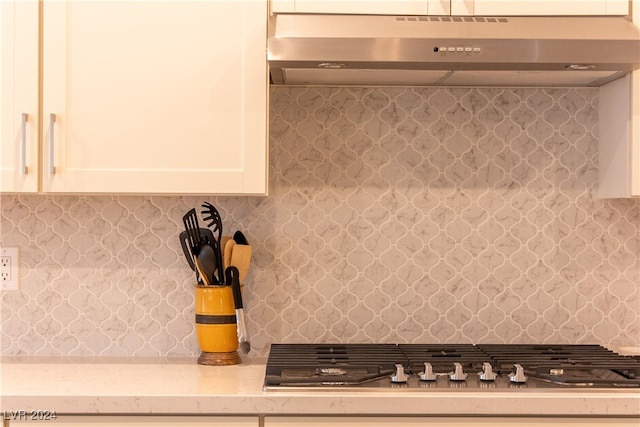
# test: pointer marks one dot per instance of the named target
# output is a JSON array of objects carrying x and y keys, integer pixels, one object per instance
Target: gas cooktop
[{"x": 448, "y": 366}]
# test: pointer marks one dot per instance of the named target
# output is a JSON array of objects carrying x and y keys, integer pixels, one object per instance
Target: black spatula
[{"x": 207, "y": 237}]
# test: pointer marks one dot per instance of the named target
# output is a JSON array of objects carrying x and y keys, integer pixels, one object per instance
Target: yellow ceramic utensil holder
[{"x": 216, "y": 326}]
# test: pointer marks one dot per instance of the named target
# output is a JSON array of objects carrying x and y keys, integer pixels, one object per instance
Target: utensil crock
[{"x": 216, "y": 325}]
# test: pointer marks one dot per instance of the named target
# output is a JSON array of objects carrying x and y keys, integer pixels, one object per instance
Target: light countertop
[{"x": 181, "y": 386}]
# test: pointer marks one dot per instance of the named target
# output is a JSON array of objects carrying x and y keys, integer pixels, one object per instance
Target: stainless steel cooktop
[{"x": 413, "y": 367}]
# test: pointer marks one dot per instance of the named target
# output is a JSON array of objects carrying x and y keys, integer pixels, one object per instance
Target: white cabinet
[
  {"x": 455, "y": 7},
  {"x": 19, "y": 114},
  {"x": 539, "y": 7},
  {"x": 136, "y": 421},
  {"x": 619, "y": 147},
  {"x": 149, "y": 97},
  {"x": 478, "y": 421}
]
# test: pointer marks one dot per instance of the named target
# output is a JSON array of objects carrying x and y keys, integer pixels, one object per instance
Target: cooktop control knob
[
  {"x": 518, "y": 376},
  {"x": 427, "y": 374},
  {"x": 458, "y": 374},
  {"x": 487, "y": 373},
  {"x": 400, "y": 376}
]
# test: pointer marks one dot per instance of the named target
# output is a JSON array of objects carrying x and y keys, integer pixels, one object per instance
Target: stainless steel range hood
[{"x": 309, "y": 49}]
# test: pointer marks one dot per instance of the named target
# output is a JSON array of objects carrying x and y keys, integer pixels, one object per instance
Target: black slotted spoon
[
  {"x": 185, "y": 242},
  {"x": 210, "y": 214},
  {"x": 203, "y": 254},
  {"x": 191, "y": 226}
]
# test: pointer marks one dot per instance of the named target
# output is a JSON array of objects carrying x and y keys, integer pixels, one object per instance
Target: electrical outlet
[{"x": 9, "y": 273}]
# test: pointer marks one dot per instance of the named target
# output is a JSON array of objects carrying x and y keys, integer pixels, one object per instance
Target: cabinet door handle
[
  {"x": 52, "y": 119},
  {"x": 25, "y": 117}
]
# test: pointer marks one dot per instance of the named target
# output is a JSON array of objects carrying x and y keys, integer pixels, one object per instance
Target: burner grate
[
  {"x": 330, "y": 364},
  {"x": 567, "y": 357}
]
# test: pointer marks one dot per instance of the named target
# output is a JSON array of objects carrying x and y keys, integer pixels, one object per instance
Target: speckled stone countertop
[{"x": 93, "y": 385}]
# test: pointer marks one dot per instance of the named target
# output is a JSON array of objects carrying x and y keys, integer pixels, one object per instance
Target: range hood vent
[{"x": 310, "y": 49}]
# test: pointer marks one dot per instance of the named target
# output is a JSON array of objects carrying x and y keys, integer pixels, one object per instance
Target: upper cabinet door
[
  {"x": 539, "y": 7},
  {"x": 155, "y": 97},
  {"x": 619, "y": 148},
  {"x": 19, "y": 96},
  {"x": 619, "y": 138}
]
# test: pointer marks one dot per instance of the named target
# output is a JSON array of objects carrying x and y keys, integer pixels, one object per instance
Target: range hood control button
[
  {"x": 400, "y": 376},
  {"x": 518, "y": 376},
  {"x": 427, "y": 374},
  {"x": 458, "y": 374},
  {"x": 487, "y": 373}
]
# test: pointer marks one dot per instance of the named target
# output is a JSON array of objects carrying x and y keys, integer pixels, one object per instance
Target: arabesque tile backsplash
[{"x": 394, "y": 215}]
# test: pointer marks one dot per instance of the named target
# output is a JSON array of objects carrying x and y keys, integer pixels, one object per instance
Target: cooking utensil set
[{"x": 217, "y": 260}]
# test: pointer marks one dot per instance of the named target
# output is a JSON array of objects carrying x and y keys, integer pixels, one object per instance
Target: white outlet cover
[{"x": 11, "y": 285}]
